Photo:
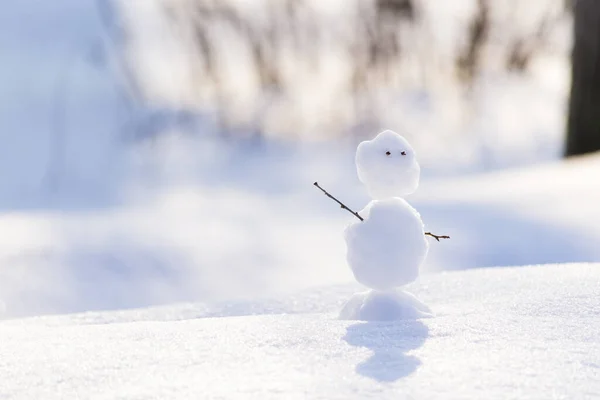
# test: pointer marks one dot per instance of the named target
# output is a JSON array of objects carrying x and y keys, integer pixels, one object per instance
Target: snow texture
[
  {"x": 498, "y": 333},
  {"x": 387, "y": 166},
  {"x": 387, "y": 249},
  {"x": 392, "y": 305}
]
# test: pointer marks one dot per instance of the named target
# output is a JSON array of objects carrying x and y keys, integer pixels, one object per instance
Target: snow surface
[
  {"x": 391, "y": 305},
  {"x": 387, "y": 249},
  {"x": 387, "y": 165},
  {"x": 524, "y": 332}
]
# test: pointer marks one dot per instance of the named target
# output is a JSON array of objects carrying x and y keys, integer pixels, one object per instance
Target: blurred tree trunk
[{"x": 583, "y": 135}]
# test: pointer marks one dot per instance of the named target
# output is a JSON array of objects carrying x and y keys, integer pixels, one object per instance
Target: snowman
[{"x": 386, "y": 245}]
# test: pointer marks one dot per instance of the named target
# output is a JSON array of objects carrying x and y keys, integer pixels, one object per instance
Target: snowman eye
[
  {"x": 403, "y": 153},
  {"x": 387, "y": 153}
]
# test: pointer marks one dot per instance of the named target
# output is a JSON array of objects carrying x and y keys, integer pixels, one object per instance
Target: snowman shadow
[{"x": 390, "y": 342}]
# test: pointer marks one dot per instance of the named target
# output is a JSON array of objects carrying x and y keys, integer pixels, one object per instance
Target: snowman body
[{"x": 387, "y": 248}]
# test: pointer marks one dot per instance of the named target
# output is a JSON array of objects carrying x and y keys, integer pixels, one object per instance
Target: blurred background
[{"x": 157, "y": 151}]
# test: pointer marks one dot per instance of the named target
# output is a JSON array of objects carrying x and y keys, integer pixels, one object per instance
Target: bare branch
[
  {"x": 436, "y": 237},
  {"x": 339, "y": 202}
]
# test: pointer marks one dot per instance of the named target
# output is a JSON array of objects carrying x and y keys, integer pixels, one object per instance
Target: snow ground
[
  {"x": 538, "y": 215},
  {"x": 523, "y": 332}
]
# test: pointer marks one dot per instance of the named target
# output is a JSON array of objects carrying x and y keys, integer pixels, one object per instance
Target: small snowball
[
  {"x": 387, "y": 166},
  {"x": 387, "y": 249},
  {"x": 384, "y": 306}
]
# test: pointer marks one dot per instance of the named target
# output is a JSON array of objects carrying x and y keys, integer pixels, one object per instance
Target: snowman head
[{"x": 387, "y": 166}]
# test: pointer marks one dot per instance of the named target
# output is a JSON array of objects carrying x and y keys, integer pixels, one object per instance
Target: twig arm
[
  {"x": 437, "y": 237},
  {"x": 339, "y": 202}
]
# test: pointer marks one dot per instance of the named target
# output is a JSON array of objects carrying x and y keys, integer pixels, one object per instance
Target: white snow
[
  {"x": 387, "y": 249},
  {"x": 238, "y": 231},
  {"x": 387, "y": 166},
  {"x": 525, "y": 332},
  {"x": 391, "y": 305}
]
